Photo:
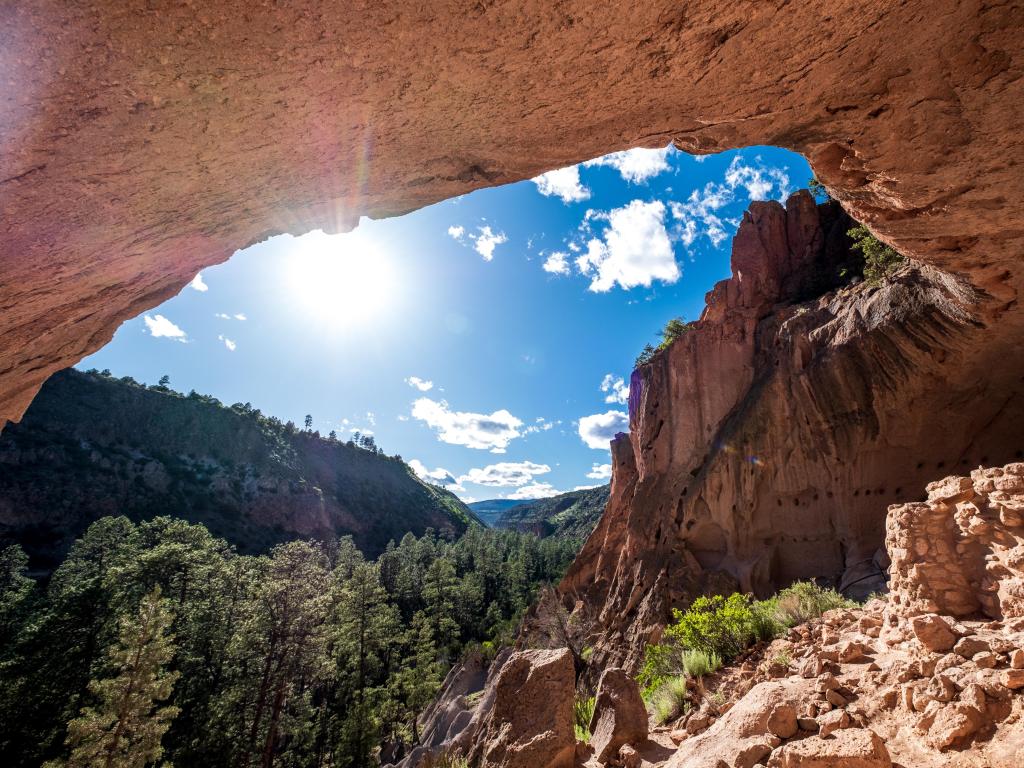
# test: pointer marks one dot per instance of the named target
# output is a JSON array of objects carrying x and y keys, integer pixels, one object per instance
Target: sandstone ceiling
[{"x": 141, "y": 141}]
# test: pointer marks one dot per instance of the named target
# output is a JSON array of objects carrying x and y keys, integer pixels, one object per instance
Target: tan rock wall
[
  {"x": 767, "y": 442},
  {"x": 962, "y": 551},
  {"x": 140, "y": 142}
]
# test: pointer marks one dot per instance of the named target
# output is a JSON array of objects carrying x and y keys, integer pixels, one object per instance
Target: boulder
[
  {"x": 953, "y": 725},
  {"x": 850, "y": 748},
  {"x": 525, "y": 719},
  {"x": 933, "y": 632},
  {"x": 743, "y": 736},
  {"x": 620, "y": 716}
]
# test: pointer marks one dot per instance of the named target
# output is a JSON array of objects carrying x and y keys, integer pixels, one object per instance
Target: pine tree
[
  {"x": 125, "y": 728},
  {"x": 439, "y": 591}
]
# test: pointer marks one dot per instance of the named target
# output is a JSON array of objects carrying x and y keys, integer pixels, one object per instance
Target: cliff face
[
  {"x": 766, "y": 442},
  {"x": 92, "y": 446},
  {"x": 144, "y": 141}
]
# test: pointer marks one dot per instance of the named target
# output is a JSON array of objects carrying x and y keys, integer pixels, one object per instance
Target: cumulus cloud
[
  {"x": 759, "y": 180},
  {"x": 557, "y": 263},
  {"x": 225, "y": 316},
  {"x": 438, "y": 475},
  {"x": 584, "y": 487},
  {"x": 597, "y": 430},
  {"x": 563, "y": 183},
  {"x": 635, "y": 249},
  {"x": 699, "y": 215},
  {"x": 636, "y": 165},
  {"x": 534, "y": 491},
  {"x": 228, "y": 343},
  {"x": 160, "y": 326},
  {"x": 490, "y": 432},
  {"x": 487, "y": 241},
  {"x": 484, "y": 242},
  {"x": 600, "y": 472},
  {"x": 240, "y": 316},
  {"x": 198, "y": 284},
  {"x": 616, "y": 388},
  {"x": 505, "y": 474},
  {"x": 421, "y": 384}
]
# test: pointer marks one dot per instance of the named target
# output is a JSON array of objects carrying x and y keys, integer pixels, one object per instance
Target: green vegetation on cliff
[
  {"x": 571, "y": 515},
  {"x": 308, "y": 655},
  {"x": 91, "y": 445}
]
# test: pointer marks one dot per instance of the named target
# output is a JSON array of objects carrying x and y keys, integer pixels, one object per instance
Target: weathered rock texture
[
  {"x": 961, "y": 552},
  {"x": 525, "y": 717},
  {"x": 144, "y": 141},
  {"x": 620, "y": 716},
  {"x": 766, "y": 442}
]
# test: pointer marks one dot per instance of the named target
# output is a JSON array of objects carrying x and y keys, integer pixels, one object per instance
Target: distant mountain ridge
[
  {"x": 568, "y": 515},
  {"x": 492, "y": 510},
  {"x": 91, "y": 445}
]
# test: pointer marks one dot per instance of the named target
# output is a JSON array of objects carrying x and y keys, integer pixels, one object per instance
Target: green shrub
[
  {"x": 583, "y": 711},
  {"x": 817, "y": 189},
  {"x": 805, "y": 600},
  {"x": 699, "y": 663},
  {"x": 669, "y": 700},
  {"x": 765, "y": 621},
  {"x": 722, "y": 626},
  {"x": 879, "y": 259},
  {"x": 445, "y": 760}
]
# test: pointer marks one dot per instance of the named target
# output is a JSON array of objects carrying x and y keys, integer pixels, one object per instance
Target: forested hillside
[
  {"x": 571, "y": 515},
  {"x": 157, "y": 637},
  {"x": 91, "y": 445}
]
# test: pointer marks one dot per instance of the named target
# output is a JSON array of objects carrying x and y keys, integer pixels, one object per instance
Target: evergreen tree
[{"x": 125, "y": 727}]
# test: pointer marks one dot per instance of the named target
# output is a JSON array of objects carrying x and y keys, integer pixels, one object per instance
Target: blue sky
[{"x": 487, "y": 339}]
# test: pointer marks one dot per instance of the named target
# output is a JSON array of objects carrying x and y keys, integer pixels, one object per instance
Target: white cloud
[
  {"x": 482, "y": 431},
  {"x": 198, "y": 284},
  {"x": 636, "y": 165},
  {"x": 584, "y": 487},
  {"x": 240, "y": 316},
  {"x": 557, "y": 263},
  {"x": 597, "y": 430},
  {"x": 636, "y": 249},
  {"x": 600, "y": 472},
  {"x": 228, "y": 343},
  {"x": 456, "y": 231},
  {"x": 487, "y": 241},
  {"x": 160, "y": 326},
  {"x": 757, "y": 179},
  {"x": 618, "y": 391},
  {"x": 439, "y": 475},
  {"x": 534, "y": 491},
  {"x": 698, "y": 215},
  {"x": 225, "y": 316},
  {"x": 563, "y": 183},
  {"x": 505, "y": 474},
  {"x": 421, "y": 384}
]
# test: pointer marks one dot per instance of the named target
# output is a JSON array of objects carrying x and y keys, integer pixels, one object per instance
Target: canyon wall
[
  {"x": 766, "y": 442},
  {"x": 144, "y": 141}
]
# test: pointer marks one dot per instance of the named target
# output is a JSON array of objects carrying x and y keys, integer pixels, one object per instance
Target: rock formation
[
  {"x": 620, "y": 717},
  {"x": 525, "y": 718},
  {"x": 766, "y": 442},
  {"x": 868, "y": 687},
  {"x": 962, "y": 551},
  {"x": 142, "y": 142}
]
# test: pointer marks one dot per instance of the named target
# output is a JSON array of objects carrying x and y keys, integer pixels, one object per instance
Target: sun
[{"x": 342, "y": 281}]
